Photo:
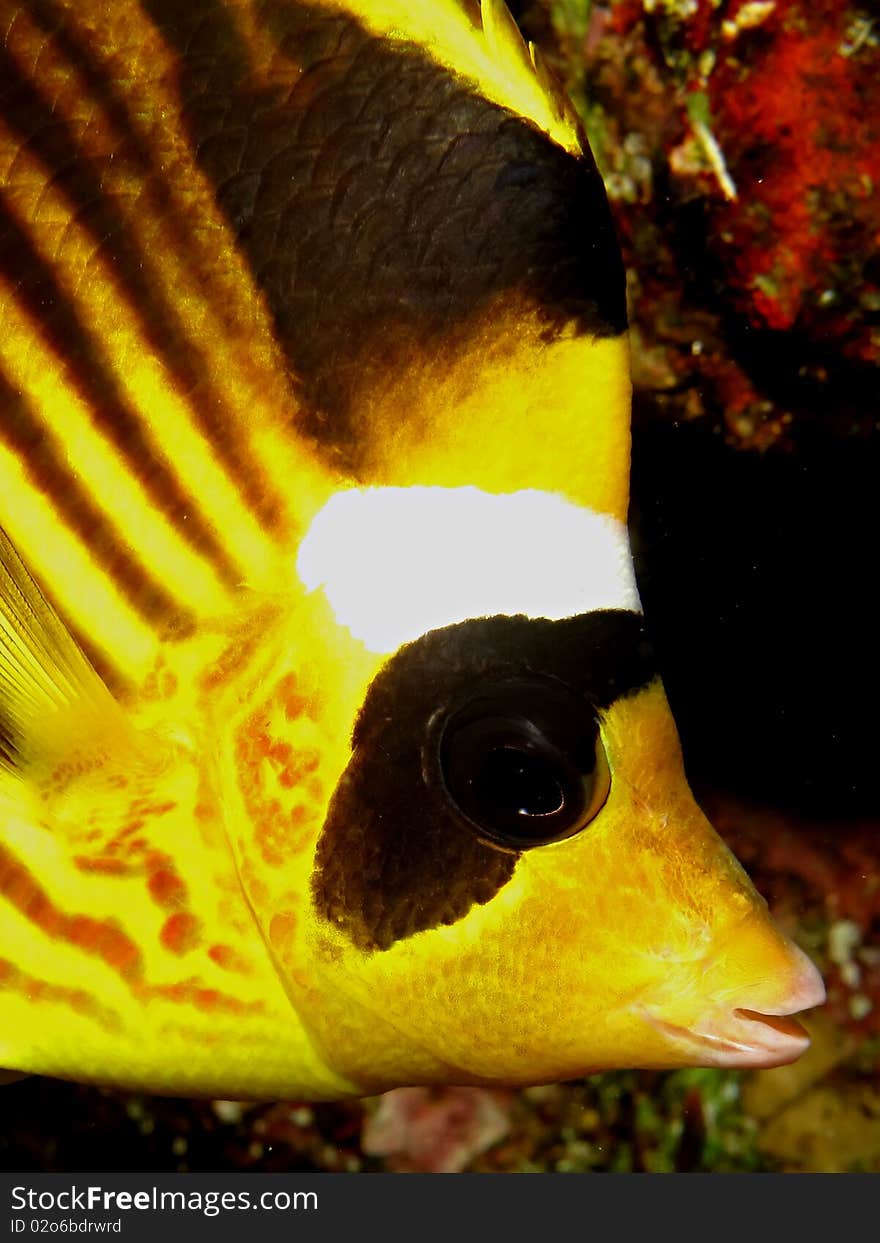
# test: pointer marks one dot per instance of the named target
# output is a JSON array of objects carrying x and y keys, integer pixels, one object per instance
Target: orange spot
[
  {"x": 256, "y": 889},
  {"x": 234, "y": 657},
  {"x": 181, "y": 932},
  {"x": 99, "y": 937},
  {"x": 294, "y": 704},
  {"x": 298, "y": 767},
  {"x": 208, "y": 1000},
  {"x": 267, "y": 765},
  {"x": 120, "y": 839},
  {"x": 129, "y": 828},
  {"x": 160, "y": 683},
  {"x": 165, "y": 886},
  {"x": 108, "y": 867},
  {"x": 77, "y": 999},
  {"x": 228, "y": 959},
  {"x": 142, "y": 807},
  {"x": 282, "y": 929}
]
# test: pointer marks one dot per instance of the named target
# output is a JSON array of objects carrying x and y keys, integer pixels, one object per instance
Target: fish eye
[{"x": 523, "y": 763}]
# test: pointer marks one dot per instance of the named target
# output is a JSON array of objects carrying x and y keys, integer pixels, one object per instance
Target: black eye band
[
  {"x": 475, "y": 743},
  {"x": 522, "y": 762}
]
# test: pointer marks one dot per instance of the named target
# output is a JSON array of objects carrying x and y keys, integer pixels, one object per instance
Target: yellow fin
[
  {"x": 480, "y": 42},
  {"x": 525, "y": 63},
  {"x": 503, "y": 38},
  {"x": 50, "y": 697}
]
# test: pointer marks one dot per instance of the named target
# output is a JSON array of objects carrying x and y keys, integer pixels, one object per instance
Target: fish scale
[{"x": 333, "y": 754}]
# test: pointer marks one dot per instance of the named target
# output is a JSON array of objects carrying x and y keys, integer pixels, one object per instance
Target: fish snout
[{"x": 747, "y": 1026}]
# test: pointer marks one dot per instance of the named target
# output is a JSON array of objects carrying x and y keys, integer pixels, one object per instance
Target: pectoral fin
[{"x": 52, "y": 702}]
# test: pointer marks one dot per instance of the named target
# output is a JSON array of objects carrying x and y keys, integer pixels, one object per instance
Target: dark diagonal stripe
[
  {"x": 57, "y": 319},
  {"x": 381, "y": 202},
  {"x": 118, "y": 683},
  {"x": 49, "y": 137},
  {"x": 45, "y": 465}
]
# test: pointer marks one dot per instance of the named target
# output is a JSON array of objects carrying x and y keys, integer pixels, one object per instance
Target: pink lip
[{"x": 745, "y": 1039}]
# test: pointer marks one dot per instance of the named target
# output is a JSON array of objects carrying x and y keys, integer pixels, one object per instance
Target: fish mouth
[
  {"x": 745, "y": 1039},
  {"x": 757, "y": 1036}
]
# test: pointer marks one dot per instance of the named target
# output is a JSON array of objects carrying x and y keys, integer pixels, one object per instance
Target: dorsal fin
[
  {"x": 481, "y": 42},
  {"x": 51, "y": 699},
  {"x": 554, "y": 90},
  {"x": 508, "y": 48}
]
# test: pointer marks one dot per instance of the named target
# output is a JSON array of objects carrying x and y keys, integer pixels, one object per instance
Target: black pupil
[
  {"x": 518, "y": 761},
  {"x": 520, "y": 783}
]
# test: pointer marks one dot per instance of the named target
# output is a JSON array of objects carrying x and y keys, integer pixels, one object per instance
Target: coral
[
  {"x": 435, "y": 1131},
  {"x": 797, "y": 112},
  {"x": 740, "y": 142}
]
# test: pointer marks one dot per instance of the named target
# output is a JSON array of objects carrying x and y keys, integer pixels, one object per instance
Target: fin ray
[
  {"x": 44, "y": 678},
  {"x": 480, "y": 42}
]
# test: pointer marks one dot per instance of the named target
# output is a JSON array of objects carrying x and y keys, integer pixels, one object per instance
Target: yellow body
[{"x": 158, "y": 838}]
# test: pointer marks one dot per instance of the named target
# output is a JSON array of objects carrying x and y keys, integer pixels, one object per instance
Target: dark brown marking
[
  {"x": 45, "y": 464},
  {"x": 231, "y": 449},
  {"x": 43, "y": 130},
  {"x": 381, "y": 203},
  {"x": 394, "y": 858},
  {"x": 119, "y": 684},
  {"x": 92, "y": 377}
]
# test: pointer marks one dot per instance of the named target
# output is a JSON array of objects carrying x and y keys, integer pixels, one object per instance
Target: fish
[{"x": 334, "y": 754}]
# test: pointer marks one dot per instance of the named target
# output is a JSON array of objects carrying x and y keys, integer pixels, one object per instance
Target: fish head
[{"x": 512, "y": 882}]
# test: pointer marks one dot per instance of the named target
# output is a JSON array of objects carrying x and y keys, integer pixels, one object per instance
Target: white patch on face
[{"x": 397, "y": 562}]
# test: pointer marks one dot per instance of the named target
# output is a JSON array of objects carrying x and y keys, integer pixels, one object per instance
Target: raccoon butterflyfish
[{"x": 333, "y": 754}]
